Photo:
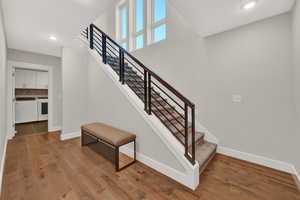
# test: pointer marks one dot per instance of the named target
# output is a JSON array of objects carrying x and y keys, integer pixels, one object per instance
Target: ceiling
[
  {"x": 209, "y": 17},
  {"x": 29, "y": 23}
]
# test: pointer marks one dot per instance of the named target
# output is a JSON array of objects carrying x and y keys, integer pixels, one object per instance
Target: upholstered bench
[{"x": 109, "y": 140}]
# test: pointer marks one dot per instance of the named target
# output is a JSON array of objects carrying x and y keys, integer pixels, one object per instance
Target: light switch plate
[{"x": 236, "y": 98}]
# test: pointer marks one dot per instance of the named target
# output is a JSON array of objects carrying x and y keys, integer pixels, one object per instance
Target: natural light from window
[
  {"x": 139, "y": 15},
  {"x": 159, "y": 17},
  {"x": 141, "y": 23},
  {"x": 159, "y": 10},
  {"x": 124, "y": 23}
]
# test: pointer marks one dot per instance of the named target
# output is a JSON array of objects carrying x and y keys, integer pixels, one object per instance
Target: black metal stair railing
[{"x": 155, "y": 93}]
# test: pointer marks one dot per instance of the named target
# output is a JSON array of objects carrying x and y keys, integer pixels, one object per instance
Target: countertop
[{"x": 32, "y": 96}]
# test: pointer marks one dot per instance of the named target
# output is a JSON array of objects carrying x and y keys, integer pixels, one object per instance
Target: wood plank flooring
[
  {"x": 40, "y": 167},
  {"x": 32, "y": 128}
]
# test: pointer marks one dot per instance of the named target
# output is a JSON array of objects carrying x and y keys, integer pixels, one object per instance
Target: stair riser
[
  {"x": 162, "y": 113},
  {"x": 174, "y": 120},
  {"x": 199, "y": 142},
  {"x": 202, "y": 168},
  {"x": 166, "y": 115},
  {"x": 127, "y": 71},
  {"x": 115, "y": 63}
]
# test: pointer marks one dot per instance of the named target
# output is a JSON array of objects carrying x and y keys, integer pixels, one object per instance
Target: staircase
[{"x": 174, "y": 110}]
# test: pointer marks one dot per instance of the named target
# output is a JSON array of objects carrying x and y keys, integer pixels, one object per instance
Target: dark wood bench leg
[
  {"x": 82, "y": 139},
  {"x": 117, "y": 162},
  {"x": 134, "y": 150}
]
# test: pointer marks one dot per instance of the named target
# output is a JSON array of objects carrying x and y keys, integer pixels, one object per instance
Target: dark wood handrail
[{"x": 158, "y": 78}]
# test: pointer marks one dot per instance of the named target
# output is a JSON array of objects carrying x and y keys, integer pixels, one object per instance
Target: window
[
  {"x": 123, "y": 23},
  {"x": 141, "y": 22},
  {"x": 159, "y": 10},
  {"x": 139, "y": 15},
  {"x": 139, "y": 42},
  {"x": 158, "y": 20},
  {"x": 123, "y": 26},
  {"x": 159, "y": 33},
  {"x": 124, "y": 45}
]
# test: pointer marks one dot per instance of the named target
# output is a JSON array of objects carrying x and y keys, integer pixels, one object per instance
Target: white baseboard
[
  {"x": 260, "y": 160},
  {"x": 297, "y": 178},
  {"x": 54, "y": 128},
  {"x": 2, "y": 164},
  {"x": 178, "y": 176},
  {"x": 297, "y": 175},
  {"x": 68, "y": 136}
]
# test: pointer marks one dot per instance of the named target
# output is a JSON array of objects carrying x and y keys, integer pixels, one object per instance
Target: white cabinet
[
  {"x": 26, "y": 111},
  {"x": 30, "y": 79},
  {"x": 42, "y": 80},
  {"x": 19, "y": 78},
  {"x": 25, "y": 78}
]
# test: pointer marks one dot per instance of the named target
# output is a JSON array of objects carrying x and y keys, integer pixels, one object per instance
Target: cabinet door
[
  {"x": 26, "y": 111},
  {"x": 25, "y": 78},
  {"x": 30, "y": 79},
  {"x": 20, "y": 78},
  {"x": 42, "y": 80}
]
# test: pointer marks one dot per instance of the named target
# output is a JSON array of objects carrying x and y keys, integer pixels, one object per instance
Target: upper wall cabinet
[
  {"x": 31, "y": 79},
  {"x": 42, "y": 80},
  {"x": 25, "y": 78}
]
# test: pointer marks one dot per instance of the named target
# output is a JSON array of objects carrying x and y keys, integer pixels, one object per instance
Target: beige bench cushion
[{"x": 109, "y": 134}]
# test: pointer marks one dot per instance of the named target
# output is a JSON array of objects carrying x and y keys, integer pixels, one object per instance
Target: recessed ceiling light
[
  {"x": 53, "y": 38},
  {"x": 249, "y": 5}
]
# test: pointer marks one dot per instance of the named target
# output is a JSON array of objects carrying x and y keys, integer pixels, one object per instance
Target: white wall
[
  {"x": 296, "y": 73},
  {"x": 254, "y": 61},
  {"x": 3, "y": 68},
  {"x": 104, "y": 22},
  {"x": 55, "y": 62},
  {"x": 74, "y": 73}
]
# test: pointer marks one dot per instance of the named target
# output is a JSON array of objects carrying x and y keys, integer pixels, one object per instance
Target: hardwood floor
[
  {"x": 32, "y": 128},
  {"x": 40, "y": 167}
]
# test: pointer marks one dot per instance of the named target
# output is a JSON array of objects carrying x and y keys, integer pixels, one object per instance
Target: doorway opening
[{"x": 31, "y": 101}]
